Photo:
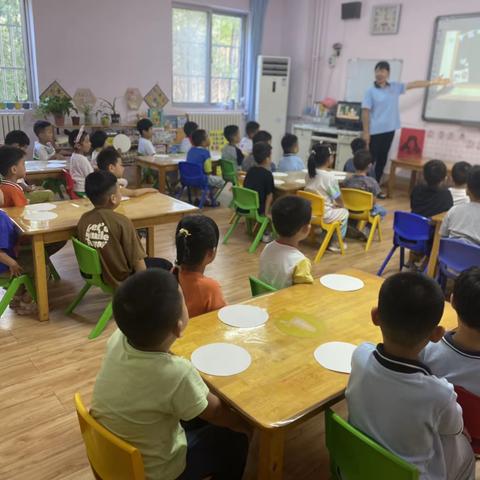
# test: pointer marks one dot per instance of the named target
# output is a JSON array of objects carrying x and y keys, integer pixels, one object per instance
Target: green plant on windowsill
[
  {"x": 108, "y": 108},
  {"x": 58, "y": 107}
]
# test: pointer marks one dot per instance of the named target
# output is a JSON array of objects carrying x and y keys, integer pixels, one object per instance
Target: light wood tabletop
[
  {"x": 285, "y": 385},
  {"x": 145, "y": 211},
  {"x": 37, "y": 170},
  {"x": 432, "y": 261}
]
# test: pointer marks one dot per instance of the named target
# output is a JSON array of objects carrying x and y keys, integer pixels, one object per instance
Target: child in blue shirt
[
  {"x": 290, "y": 161},
  {"x": 356, "y": 145}
]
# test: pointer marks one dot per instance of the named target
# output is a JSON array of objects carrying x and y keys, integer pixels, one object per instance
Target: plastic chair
[
  {"x": 91, "y": 270},
  {"x": 11, "y": 285},
  {"x": 355, "y": 455},
  {"x": 110, "y": 457},
  {"x": 455, "y": 256},
  {"x": 359, "y": 205},
  {"x": 411, "y": 231},
  {"x": 246, "y": 203},
  {"x": 470, "y": 404},
  {"x": 258, "y": 287},
  {"x": 192, "y": 176},
  {"x": 229, "y": 175},
  {"x": 318, "y": 209}
]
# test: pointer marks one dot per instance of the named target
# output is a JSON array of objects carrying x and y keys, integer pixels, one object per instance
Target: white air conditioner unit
[{"x": 273, "y": 78}]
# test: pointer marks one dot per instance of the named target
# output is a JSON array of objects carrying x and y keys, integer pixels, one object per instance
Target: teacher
[{"x": 381, "y": 113}]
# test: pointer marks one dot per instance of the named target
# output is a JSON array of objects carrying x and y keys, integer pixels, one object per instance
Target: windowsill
[{"x": 205, "y": 108}]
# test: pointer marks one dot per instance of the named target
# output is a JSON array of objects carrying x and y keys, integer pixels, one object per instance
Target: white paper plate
[
  {"x": 278, "y": 183},
  {"x": 300, "y": 181},
  {"x": 40, "y": 207},
  {"x": 243, "y": 316},
  {"x": 341, "y": 283},
  {"x": 221, "y": 359},
  {"x": 279, "y": 174},
  {"x": 122, "y": 143},
  {"x": 336, "y": 356},
  {"x": 39, "y": 216}
]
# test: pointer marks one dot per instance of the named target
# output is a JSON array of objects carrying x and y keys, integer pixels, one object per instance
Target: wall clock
[{"x": 385, "y": 19}]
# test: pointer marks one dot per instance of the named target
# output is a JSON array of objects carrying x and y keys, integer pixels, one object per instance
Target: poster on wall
[
  {"x": 412, "y": 142},
  {"x": 156, "y": 98},
  {"x": 54, "y": 90}
]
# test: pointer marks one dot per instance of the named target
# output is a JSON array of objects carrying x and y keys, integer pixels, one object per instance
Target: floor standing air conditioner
[{"x": 273, "y": 78}]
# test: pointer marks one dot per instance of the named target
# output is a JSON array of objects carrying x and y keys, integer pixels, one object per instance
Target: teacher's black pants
[{"x": 379, "y": 147}]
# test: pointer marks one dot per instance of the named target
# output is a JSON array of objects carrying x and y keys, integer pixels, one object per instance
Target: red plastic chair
[
  {"x": 470, "y": 404},
  {"x": 69, "y": 184}
]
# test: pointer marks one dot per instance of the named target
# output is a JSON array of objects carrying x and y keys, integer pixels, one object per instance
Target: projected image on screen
[{"x": 456, "y": 55}]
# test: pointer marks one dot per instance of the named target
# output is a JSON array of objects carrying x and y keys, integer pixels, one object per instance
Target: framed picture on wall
[{"x": 385, "y": 19}]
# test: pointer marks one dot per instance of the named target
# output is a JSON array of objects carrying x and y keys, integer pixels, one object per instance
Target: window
[
  {"x": 208, "y": 49},
  {"x": 15, "y": 84}
]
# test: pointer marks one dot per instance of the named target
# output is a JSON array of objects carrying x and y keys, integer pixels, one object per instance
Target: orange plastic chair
[
  {"x": 110, "y": 457},
  {"x": 318, "y": 209},
  {"x": 470, "y": 404},
  {"x": 359, "y": 204}
]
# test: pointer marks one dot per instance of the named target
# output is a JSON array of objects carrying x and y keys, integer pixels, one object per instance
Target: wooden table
[
  {"x": 145, "y": 212},
  {"x": 432, "y": 261},
  {"x": 415, "y": 165},
  {"x": 284, "y": 385},
  {"x": 38, "y": 171}
]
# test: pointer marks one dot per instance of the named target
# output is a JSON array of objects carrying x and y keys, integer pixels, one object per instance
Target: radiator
[{"x": 9, "y": 122}]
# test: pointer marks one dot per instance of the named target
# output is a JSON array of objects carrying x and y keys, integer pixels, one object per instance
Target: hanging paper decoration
[
  {"x": 55, "y": 90},
  {"x": 84, "y": 97},
  {"x": 133, "y": 98},
  {"x": 156, "y": 98}
]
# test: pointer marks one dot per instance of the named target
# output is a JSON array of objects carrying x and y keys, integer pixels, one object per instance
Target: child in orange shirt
[
  {"x": 196, "y": 240},
  {"x": 12, "y": 168}
]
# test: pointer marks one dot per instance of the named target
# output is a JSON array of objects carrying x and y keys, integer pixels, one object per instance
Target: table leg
[
  {"x": 162, "y": 180},
  {"x": 391, "y": 180},
  {"x": 270, "y": 461},
  {"x": 413, "y": 181},
  {"x": 40, "y": 277},
  {"x": 432, "y": 261},
  {"x": 139, "y": 176},
  {"x": 151, "y": 241}
]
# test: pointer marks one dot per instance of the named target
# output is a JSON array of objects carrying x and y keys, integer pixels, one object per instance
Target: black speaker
[{"x": 351, "y": 10}]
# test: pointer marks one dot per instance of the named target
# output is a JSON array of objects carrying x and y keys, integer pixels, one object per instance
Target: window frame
[{"x": 243, "y": 48}]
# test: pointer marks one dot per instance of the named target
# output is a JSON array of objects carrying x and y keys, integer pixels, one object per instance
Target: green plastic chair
[
  {"x": 91, "y": 270},
  {"x": 229, "y": 175},
  {"x": 259, "y": 288},
  {"x": 353, "y": 455},
  {"x": 246, "y": 203},
  {"x": 11, "y": 285}
]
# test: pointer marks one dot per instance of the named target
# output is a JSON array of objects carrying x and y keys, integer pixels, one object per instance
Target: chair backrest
[
  {"x": 455, "y": 255},
  {"x": 470, "y": 404},
  {"x": 318, "y": 204},
  {"x": 258, "y": 287},
  {"x": 357, "y": 456},
  {"x": 88, "y": 261},
  {"x": 192, "y": 175},
  {"x": 69, "y": 185},
  {"x": 111, "y": 458},
  {"x": 229, "y": 171},
  {"x": 413, "y": 231},
  {"x": 357, "y": 201},
  {"x": 245, "y": 199}
]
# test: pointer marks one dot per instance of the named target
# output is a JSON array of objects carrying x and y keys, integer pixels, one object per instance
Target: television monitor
[{"x": 349, "y": 115}]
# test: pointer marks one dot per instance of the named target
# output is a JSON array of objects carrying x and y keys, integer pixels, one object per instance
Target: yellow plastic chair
[
  {"x": 359, "y": 204},
  {"x": 110, "y": 457},
  {"x": 318, "y": 209}
]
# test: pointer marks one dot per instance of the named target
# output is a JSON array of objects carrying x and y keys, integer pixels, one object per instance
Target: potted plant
[
  {"x": 87, "y": 113},
  {"x": 58, "y": 107},
  {"x": 107, "y": 108}
]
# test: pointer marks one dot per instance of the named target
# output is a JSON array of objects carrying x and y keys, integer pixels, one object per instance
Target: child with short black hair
[
  {"x": 145, "y": 145},
  {"x": 393, "y": 398},
  {"x": 432, "y": 197},
  {"x": 231, "y": 152},
  {"x": 44, "y": 149},
  {"x": 80, "y": 167},
  {"x": 18, "y": 138},
  {"x": 463, "y": 221},
  {"x": 12, "y": 169},
  {"x": 282, "y": 264},
  {"x": 98, "y": 140},
  {"x": 356, "y": 145},
  {"x": 322, "y": 181},
  {"x": 196, "y": 239},
  {"x": 143, "y": 393},
  {"x": 188, "y": 129},
  {"x": 459, "y": 176},
  {"x": 246, "y": 144},
  {"x": 290, "y": 161},
  {"x": 261, "y": 136}
]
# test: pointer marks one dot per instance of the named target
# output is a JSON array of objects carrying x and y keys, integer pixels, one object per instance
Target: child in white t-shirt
[
  {"x": 80, "y": 167},
  {"x": 98, "y": 140},
  {"x": 43, "y": 148},
  {"x": 246, "y": 143},
  {"x": 145, "y": 145},
  {"x": 188, "y": 129},
  {"x": 459, "y": 176}
]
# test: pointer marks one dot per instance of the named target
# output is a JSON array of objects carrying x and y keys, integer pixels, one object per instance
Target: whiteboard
[{"x": 360, "y": 76}]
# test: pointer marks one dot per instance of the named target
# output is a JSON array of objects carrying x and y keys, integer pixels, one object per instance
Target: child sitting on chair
[
  {"x": 282, "y": 264},
  {"x": 44, "y": 149},
  {"x": 145, "y": 145},
  {"x": 356, "y": 145},
  {"x": 261, "y": 136},
  {"x": 188, "y": 129},
  {"x": 98, "y": 140},
  {"x": 12, "y": 169},
  {"x": 393, "y": 397},
  {"x": 290, "y": 161},
  {"x": 459, "y": 176},
  {"x": 80, "y": 167},
  {"x": 196, "y": 239},
  {"x": 246, "y": 143},
  {"x": 147, "y": 396},
  {"x": 231, "y": 152}
]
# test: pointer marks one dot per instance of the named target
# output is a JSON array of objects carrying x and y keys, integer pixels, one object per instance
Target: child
[
  {"x": 147, "y": 396},
  {"x": 19, "y": 139},
  {"x": 282, "y": 264},
  {"x": 12, "y": 169},
  {"x": 361, "y": 181},
  {"x": 459, "y": 176},
  {"x": 246, "y": 144},
  {"x": 43, "y": 148},
  {"x": 463, "y": 221},
  {"x": 196, "y": 239},
  {"x": 98, "y": 140},
  {"x": 145, "y": 145},
  {"x": 260, "y": 178},
  {"x": 430, "y": 198},
  {"x": 231, "y": 151},
  {"x": 200, "y": 155},
  {"x": 110, "y": 160},
  {"x": 261, "y": 136},
  {"x": 80, "y": 167},
  {"x": 356, "y": 145},
  {"x": 393, "y": 398},
  {"x": 290, "y": 161},
  {"x": 322, "y": 181},
  {"x": 111, "y": 233},
  {"x": 188, "y": 129},
  {"x": 456, "y": 357}
]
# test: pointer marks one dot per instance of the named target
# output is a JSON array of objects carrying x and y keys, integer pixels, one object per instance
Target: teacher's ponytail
[{"x": 319, "y": 156}]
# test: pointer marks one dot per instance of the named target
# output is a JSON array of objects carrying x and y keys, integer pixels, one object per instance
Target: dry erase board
[{"x": 361, "y": 75}]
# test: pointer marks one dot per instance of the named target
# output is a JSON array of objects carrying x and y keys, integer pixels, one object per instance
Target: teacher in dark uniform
[{"x": 381, "y": 112}]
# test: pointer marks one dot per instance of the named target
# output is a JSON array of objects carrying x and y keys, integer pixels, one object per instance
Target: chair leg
[
  {"x": 232, "y": 218},
  {"x": 387, "y": 259},
  {"x": 259, "y": 236},
  {"x": 324, "y": 244},
  {"x": 379, "y": 228},
  {"x": 53, "y": 271},
  {"x": 373, "y": 227},
  {"x": 102, "y": 322},
  {"x": 340, "y": 239},
  {"x": 79, "y": 298},
  {"x": 231, "y": 229},
  {"x": 202, "y": 198},
  {"x": 30, "y": 287},
  {"x": 402, "y": 258},
  {"x": 220, "y": 190},
  {"x": 189, "y": 193},
  {"x": 9, "y": 294}
]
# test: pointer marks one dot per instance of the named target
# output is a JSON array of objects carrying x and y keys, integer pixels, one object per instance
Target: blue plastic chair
[
  {"x": 411, "y": 231},
  {"x": 454, "y": 257},
  {"x": 192, "y": 176}
]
